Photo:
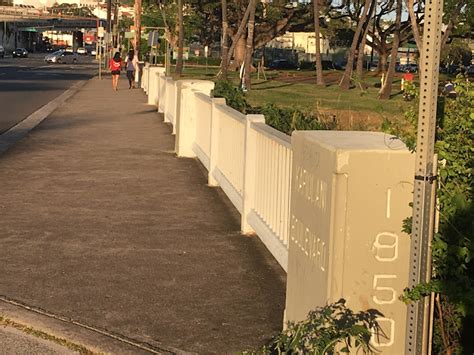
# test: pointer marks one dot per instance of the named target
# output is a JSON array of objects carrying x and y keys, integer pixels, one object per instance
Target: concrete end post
[{"x": 350, "y": 193}]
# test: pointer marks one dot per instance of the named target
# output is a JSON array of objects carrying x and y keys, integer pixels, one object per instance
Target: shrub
[
  {"x": 453, "y": 244},
  {"x": 328, "y": 330},
  {"x": 289, "y": 119},
  {"x": 234, "y": 96},
  {"x": 285, "y": 120}
]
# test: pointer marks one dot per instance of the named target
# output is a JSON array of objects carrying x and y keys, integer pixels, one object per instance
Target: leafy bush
[
  {"x": 328, "y": 330},
  {"x": 453, "y": 245},
  {"x": 285, "y": 120},
  {"x": 289, "y": 119},
  {"x": 234, "y": 96}
]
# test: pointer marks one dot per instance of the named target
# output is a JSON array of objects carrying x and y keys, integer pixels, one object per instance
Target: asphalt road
[{"x": 26, "y": 84}]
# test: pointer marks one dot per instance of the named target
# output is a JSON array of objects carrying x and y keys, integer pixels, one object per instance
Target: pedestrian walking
[
  {"x": 131, "y": 66},
  {"x": 115, "y": 65}
]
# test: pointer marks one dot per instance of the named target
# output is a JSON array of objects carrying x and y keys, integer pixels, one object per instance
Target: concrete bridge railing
[{"x": 328, "y": 205}]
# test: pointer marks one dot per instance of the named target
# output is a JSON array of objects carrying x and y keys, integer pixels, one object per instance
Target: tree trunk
[
  {"x": 239, "y": 53},
  {"x": 387, "y": 87},
  {"x": 138, "y": 27},
  {"x": 361, "y": 50},
  {"x": 317, "y": 33},
  {"x": 236, "y": 38},
  {"x": 225, "y": 44},
  {"x": 179, "y": 60},
  {"x": 249, "y": 47},
  {"x": 361, "y": 56},
  {"x": 346, "y": 78},
  {"x": 382, "y": 67},
  {"x": 414, "y": 24}
]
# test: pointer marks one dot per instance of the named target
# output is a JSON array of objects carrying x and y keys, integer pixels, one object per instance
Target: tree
[
  {"x": 387, "y": 85},
  {"x": 138, "y": 28},
  {"x": 225, "y": 43},
  {"x": 317, "y": 34},
  {"x": 347, "y": 76},
  {"x": 179, "y": 61}
]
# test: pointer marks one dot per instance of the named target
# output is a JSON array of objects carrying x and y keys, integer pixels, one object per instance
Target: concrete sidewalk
[{"x": 102, "y": 224}]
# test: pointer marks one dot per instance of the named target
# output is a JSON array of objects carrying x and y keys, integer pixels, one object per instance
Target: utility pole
[{"x": 138, "y": 27}]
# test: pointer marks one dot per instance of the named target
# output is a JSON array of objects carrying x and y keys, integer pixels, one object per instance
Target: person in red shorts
[{"x": 115, "y": 64}]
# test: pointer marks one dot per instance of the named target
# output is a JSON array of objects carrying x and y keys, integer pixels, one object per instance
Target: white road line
[{"x": 20, "y": 130}]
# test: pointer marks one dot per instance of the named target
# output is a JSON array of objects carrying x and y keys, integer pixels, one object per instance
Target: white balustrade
[
  {"x": 202, "y": 143},
  {"x": 161, "y": 92},
  {"x": 249, "y": 160},
  {"x": 153, "y": 85},
  {"x": 329, "y": 206}
]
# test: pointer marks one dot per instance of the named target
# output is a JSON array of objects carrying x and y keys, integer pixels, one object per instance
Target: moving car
[
  {"x": 62, "y": 57},
  {"x": 20, "y": 53},
  {"x": 2, "y": 52}
]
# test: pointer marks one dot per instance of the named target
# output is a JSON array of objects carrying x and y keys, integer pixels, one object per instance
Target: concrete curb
[
  {"x": 20, "y": 130},
  {"x": 100, "y": 341}
]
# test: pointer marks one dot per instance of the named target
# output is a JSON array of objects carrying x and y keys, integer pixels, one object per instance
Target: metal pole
[{"x": 425, "y": 175}]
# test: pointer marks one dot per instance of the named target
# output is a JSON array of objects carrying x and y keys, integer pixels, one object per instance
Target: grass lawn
[{"x": 353, "y": 109}]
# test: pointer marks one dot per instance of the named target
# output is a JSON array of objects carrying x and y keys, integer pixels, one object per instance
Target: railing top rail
[
  {"x": 272, "y": 133},
  {"x": 202, "y": 96},
  {"x": 236, "y": 115}
]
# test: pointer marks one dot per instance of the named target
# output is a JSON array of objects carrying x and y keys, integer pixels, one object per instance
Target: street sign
[
  {"x": 100, "y": 32},
  {"x": 130, "y": 34}
]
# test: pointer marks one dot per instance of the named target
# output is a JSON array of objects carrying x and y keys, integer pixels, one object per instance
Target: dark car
[
  {"x": 20, "y": 53},
  {"x": 470, "y": 71},
  {"x": 330, "y": 65},
  {"x": 282, "y": 64}
]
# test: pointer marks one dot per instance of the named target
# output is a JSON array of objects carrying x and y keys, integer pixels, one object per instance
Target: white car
[
  {"x": 82, "y": 51},
  {"x": 62, "y": 57}
]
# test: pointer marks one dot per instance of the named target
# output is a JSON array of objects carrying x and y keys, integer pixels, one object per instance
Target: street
[{"x": 26, "y": 84}]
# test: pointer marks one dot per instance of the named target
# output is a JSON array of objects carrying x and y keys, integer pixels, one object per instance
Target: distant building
[
  {"x": 48, "y": 3},
  {"x": 302, "y": 42}
]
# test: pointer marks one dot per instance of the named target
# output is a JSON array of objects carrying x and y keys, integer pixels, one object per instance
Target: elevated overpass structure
[
  {"x": 23, "y": 27},
  {"x": 34, "y": 18}
]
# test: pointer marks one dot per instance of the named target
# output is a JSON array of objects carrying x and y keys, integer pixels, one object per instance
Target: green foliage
[
  {"x": 327, "y": 330},
  {"x": 285, "y": 120},
  {"x": 289, "y": 119},
  {"x": 453, "y": 245},
  {"x": 456, "y": 52},
  {"x": 234, "y": 96}
]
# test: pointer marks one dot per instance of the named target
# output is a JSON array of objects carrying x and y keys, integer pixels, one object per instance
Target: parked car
[
  {"x": 282, "y": 64},
  {"x": 470, "y": 71},
  {"x": 407, "y": 68},
  {"x": 20, "y": 53},
  {"x": 62, "y": 57},
  {"x": 2, "y": 52},
  {"x": 81, "y": 51}
]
